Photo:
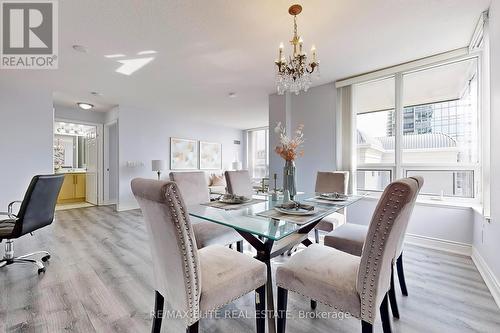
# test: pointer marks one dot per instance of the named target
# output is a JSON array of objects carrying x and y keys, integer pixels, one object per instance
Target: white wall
[
  {"x": 279, "y": 111},
  {"x": 62, "y": 112},
  {"x": 315, "y": 109},
  {"x": 453, "y": 224},
  {"x": 144, "y": 135},
  {"x": 26, "y": 118},
  {"x": 112, "y": 115},
  {"x": 487, "y": 235}
]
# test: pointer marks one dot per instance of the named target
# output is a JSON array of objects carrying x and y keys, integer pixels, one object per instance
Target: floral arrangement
[{"x": 288, "y": 147}]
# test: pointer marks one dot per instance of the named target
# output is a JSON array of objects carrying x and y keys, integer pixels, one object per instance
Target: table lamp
[
  {"x": 158, "y": 166},
  {"x": 236, "y": 165}
]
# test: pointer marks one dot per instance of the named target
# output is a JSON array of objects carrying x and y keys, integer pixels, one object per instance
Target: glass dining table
[{"x": 271, "y": 234}]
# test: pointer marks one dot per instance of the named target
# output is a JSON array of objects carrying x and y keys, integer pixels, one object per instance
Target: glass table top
[{"x": 246, "y": 218}]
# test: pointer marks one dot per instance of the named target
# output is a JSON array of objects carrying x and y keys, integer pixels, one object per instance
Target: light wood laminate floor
[{"x": 100, "y": 280}]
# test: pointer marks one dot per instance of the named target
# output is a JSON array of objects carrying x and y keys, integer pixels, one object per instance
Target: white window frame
[{"x": 398, "y": 169}]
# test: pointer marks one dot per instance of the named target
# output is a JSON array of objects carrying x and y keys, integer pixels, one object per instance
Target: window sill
[{"x": 477, "y": 207}]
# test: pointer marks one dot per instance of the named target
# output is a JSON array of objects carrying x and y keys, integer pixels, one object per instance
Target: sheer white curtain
[{"x": 346, "y": 135}]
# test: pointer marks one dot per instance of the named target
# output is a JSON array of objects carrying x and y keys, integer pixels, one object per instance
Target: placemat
[
  {"x": 324, "y": 201},
  {"x": 274, "y": 214},
  {"x": 226, "y": 206}
]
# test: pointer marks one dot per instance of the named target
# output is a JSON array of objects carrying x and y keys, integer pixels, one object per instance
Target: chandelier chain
[{"x": 294, "y": 72}]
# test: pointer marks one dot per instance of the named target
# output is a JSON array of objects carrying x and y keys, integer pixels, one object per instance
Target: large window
[
  {"x": 421, "y": 122},
  {"x": 257, "y": 153}
]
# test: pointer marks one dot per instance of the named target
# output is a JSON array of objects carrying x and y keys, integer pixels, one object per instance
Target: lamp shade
[
  {"x": 236, "y": 165},
  {"x": 158, "y": 165}
]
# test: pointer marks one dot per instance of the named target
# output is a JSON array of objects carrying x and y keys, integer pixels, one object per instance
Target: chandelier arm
[{"x": 293, "y": 72}]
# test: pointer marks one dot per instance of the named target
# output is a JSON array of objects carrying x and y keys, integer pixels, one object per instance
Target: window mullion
[{"x": 398, "y": 137}]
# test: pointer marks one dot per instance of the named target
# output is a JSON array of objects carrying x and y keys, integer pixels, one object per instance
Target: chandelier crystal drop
[{"x": 295, "y": 73}]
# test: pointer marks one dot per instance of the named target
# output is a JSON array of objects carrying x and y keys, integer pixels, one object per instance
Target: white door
[{"x": 92, "y": 166}]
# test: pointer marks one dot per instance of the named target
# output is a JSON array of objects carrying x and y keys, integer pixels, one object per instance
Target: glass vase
[{"x": 289, "y": 180}]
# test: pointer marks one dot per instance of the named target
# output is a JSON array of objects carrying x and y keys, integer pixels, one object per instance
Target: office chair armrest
[
  {"x": 10, "y": 215},
  {"x": 9, "y": 207}
]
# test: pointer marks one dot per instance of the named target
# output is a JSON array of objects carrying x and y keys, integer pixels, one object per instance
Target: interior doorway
[{"x": 76, "y": 155}]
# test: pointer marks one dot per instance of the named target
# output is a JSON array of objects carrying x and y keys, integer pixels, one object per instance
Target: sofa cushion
[{"x": 217, "y": 180}]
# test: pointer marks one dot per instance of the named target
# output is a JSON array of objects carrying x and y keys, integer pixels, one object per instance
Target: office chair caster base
[{"x": 10, "y": 259}]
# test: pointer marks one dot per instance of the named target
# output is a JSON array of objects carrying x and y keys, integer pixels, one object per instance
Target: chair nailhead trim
[
  {"x": 187, "y": 245},
  {"x": 218, "y": 306},
  {"x": 328, "y": 304},
  {"x": 372, "y": 271}
]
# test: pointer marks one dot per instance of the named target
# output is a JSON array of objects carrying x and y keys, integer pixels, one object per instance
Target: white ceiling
[{"x": 207, "y": 49}]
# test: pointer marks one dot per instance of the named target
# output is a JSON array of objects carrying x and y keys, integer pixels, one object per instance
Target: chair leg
[
  {"x": 193, "y": 328},
  {"x": 260, "y": 309},
  {"x": 316, "y": 236},
  {"x": 392, "y": 297},
  {"x": 282, "y": 305},
  {"x": 158, "y": 316},
  {"x": 384, "y": 315},
  {"x": 366, "y": 327},
  {"x": 239, "y": 246},
  {"x": 401, "y": 275}
]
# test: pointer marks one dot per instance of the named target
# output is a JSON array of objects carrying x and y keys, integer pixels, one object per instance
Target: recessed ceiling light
[
  {"x": 118, "y": 55},
  {"x": 147, "y": 52},
  {"x": 84, "y": 106},
  {"x": 80, "y": 48},
  {"x": 129, "y": 66}
]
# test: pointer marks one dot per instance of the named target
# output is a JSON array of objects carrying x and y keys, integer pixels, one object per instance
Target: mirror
[
  {"x": 70, "y": 146},
  {"x": 69, "y": 151}
]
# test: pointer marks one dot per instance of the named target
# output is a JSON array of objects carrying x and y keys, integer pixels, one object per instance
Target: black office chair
[{"x": 36, "y": 211}]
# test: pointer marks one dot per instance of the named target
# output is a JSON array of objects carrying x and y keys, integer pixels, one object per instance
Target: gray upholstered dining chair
[
  {"x": 194, "y": 189},
  {"x": 351, "y": 237},
  {"x": 329, "y": 182},
  {"x": 194, "y": 281},
  {"x": 239, "y": 183},
  {"x": 357, "y": 285}
]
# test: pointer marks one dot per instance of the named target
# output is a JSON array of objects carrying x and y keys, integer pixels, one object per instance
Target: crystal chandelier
[{"x": 294, "y": 74}]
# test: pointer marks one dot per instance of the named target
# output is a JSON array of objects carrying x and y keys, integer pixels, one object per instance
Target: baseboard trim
[
  {"x": 439, "y": 244},
  {"x": 487, "y": 274},
  {"x": 107, "y": 203},
  {"x": 121, "y": 207}
]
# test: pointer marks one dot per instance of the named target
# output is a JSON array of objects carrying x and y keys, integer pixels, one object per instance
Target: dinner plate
[{"x": 293, "y": 211}]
